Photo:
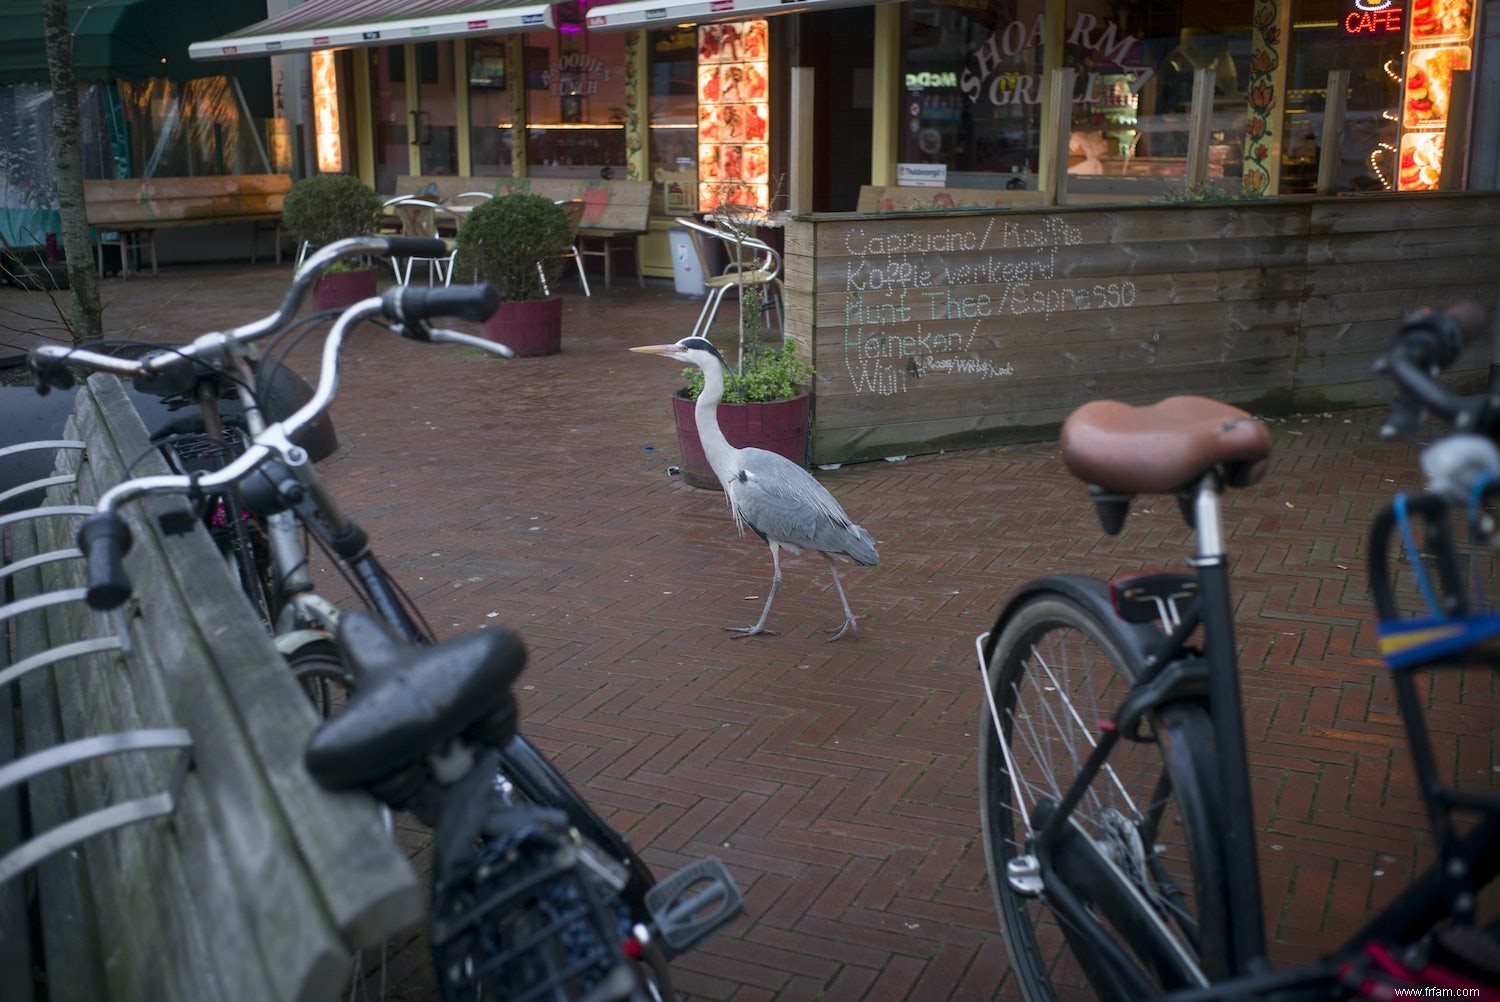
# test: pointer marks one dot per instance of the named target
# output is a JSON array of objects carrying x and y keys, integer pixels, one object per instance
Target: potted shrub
[
  {"x": 512, "y": 241},
  {"x": 766, "y": 402},
  {"x": 323, "y": 208}
]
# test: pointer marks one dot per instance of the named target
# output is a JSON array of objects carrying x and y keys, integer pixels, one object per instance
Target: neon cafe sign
[{"x": 1374, "y": 17}]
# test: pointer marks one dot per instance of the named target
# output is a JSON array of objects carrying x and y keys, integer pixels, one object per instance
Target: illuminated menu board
[
  {"x": 1439, "y": 42},
  {"x": 734, "y": 166}
]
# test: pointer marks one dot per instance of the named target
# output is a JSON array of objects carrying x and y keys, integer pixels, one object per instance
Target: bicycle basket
[{"x": 522, "y": 920}]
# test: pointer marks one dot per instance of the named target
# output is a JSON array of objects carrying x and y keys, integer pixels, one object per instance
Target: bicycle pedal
[{"x": 693, "y": 904}]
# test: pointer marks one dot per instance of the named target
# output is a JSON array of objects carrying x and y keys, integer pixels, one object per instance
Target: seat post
[{"x": 1225, "y": 710}]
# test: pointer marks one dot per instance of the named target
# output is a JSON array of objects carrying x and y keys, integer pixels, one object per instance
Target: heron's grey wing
[{"x": 783, "y": 502}]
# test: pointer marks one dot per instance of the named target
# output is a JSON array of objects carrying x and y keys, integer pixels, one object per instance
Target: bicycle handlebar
[
  {"x": 1427, "y": 343},
  {"x": 105, "y": 538},
  {"x": 49, "y": 362}
]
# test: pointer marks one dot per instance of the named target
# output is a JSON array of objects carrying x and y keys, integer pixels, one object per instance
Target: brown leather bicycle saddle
[{"x": 1163, "y": 447}]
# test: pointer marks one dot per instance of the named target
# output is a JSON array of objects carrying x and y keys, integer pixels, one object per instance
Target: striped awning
[
  {"x": 661, "y": 13},
  {"x": 342, "y": 24}
]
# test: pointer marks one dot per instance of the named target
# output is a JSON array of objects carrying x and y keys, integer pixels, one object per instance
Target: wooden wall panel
[{"x": 943, "y": 330}]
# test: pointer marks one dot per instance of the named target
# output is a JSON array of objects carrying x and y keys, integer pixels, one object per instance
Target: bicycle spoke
[{"x": 1054, "y": 680}]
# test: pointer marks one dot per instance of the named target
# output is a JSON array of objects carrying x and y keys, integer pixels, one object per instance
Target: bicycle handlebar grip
[
  {"x": 50, "y": 375},
  {"x": 416, "y": 247},
  {"x": 1426, "y": 344},
  {"x": 1435, "y": 339},
  {"x": 104, "y": 539},
  {"x": 467, "y": 302}
]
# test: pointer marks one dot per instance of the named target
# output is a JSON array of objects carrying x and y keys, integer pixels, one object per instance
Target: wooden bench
[
  {"x": 128, "y": 212},
  {"x": 616, "y": 218},
  {"x": 239, "y": 878}
]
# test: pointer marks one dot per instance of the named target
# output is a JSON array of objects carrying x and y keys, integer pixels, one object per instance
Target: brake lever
[{"x": 443, "y": 336}]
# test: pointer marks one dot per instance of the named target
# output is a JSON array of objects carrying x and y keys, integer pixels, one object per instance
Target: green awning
[{"x": 121, "y": 38}]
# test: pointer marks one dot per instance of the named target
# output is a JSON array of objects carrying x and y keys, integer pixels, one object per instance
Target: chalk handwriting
[{"x": 941, "y": 288}]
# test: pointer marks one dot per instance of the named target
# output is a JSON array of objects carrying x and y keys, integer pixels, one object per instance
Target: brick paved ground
[{"x": 838, "y": 780}]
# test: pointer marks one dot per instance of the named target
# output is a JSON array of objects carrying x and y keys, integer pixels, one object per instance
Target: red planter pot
[
  {"x": 780, "y": 426},
  {"x": 529, "y": 327},
  {"x": 337, "y": 290}
]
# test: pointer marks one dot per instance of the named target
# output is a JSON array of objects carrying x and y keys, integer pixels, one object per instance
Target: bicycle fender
[
  {"x": 289, "y": 643},
  {"x": 1090, "y": 593}
]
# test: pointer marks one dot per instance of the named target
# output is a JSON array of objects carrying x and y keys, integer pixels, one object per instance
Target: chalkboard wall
[{"x": 941, "y": 330}]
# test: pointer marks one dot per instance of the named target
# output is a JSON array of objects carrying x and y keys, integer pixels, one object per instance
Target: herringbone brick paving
[{"x": 838, "y": 780}]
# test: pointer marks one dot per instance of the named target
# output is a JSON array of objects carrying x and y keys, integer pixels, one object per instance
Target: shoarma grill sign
[{"x": 982, "y": 76}]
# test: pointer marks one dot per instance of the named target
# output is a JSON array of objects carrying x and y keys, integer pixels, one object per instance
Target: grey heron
[{"x": 779, "y": 500}]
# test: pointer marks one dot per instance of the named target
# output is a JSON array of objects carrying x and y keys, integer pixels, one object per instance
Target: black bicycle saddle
[{"x": 410, "y": 700}]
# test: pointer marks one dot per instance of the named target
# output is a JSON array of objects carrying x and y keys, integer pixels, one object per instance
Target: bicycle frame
[
  {"x": 1168, "y": 671},
  {"x": 521, "y": 762}
]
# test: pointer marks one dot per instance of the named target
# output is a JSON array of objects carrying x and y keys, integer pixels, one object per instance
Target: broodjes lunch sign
[{"x": 983, "y": 80}]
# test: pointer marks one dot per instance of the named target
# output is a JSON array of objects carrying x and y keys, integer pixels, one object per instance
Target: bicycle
[
  {"x": 430, "y": 728},
  {"x": 232, "y": 389},
  {"x": 1115, "y": 797}
]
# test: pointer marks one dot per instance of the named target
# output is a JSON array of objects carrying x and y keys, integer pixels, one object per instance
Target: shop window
[
  {"x": 1325, "y": 38},
  {"x": 490, "y": 83},
  {"x": 1133, "y": 102},
  {"x": 673, "y": 91},
  {"x": 575, "y": 103},
  {"x": 974, "y": 84},
  {"x": 390, "y": 116},
  {"x": 188, "y": 128},
  {"x": 971, "y": 99},
  {"x": 428, "y": 126}
]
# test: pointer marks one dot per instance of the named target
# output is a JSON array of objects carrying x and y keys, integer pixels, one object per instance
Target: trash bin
[{"x": 687, "y": 272}]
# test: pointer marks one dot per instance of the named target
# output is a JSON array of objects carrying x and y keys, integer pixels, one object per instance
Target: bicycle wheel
[
  {"x": 1144, "y": 883},
  {"x": 319, "y": 669}
]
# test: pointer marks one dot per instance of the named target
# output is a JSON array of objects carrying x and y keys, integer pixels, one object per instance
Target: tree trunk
[{"x": 67, "y": 167}]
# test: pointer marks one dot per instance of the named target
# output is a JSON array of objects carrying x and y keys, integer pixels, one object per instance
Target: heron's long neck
[{"x": 716, "y": 448}]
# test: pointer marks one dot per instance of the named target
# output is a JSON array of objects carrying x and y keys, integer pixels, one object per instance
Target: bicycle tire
[
  {"x": 319, "y": 668},
  {"x": 1059, "y": 668}
]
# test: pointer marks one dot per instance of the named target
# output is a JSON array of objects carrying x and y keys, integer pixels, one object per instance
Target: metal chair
[
  {"x": 419, "y": 218},
  {"x": 466, "y": 200},
  {"x": 752, "y": 264},
  {"x": 573, "y": 208},
  {"x": 387, "y": 225},
  {"x": 459, "y": 206}
]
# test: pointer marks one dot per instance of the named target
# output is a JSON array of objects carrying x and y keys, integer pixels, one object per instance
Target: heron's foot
[
  {"x": 848, "y": 626},
  {"x": 750, "y": 631}
]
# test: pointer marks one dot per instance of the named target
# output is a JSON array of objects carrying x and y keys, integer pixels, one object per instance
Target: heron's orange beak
[{"x": 656, "y": 349}]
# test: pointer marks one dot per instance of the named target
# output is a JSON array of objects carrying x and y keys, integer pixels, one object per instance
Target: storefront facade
[
  {"x": 950, "y": 90},
  {"x": 1000, "y": 210},
  {"x": 944, "y": 94}
]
